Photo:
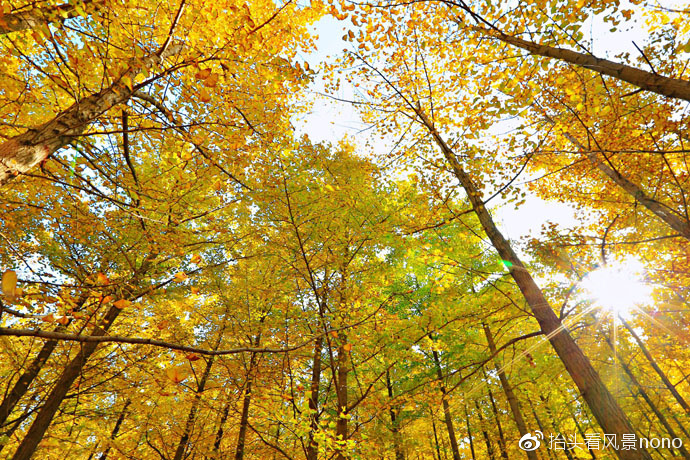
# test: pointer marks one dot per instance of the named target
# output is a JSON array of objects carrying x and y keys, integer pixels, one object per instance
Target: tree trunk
[
  {"x": 656, "y": 367},
  {"x": 191, "y": 418},
  {"x": 341, "y": 394},
  {"x": 244, "y": 419},
  {"x": 116, "y": 429},
  {"x": 28, "y": 446},
  {"x": 433, "y": 426},
  {"x": 219, "y": 432},
  {"x": 501, "y": 437},
  {"x": 642, "y": 392},
  {"x": 580, "y": 430},
  {"x": 312, "y": 447},
  {"x": 600, "y": 401},
  {"x": 446, "y": 408},
  {"x": 549, "y": 453},
  {"x": 648, "y": 81},
  {"x": 508, "y": 390},
  {"x": 469, "y": 434},
  {"x": 22, "y": 385},
  {"x": 682, "y": 226},
  {"x": 395, "y": 422},
  {"x": 487, "y": 439},
  {"x": 22, "y": 153}
]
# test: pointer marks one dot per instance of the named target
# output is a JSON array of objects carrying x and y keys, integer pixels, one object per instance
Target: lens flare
[{"x": 617, "y": 287}]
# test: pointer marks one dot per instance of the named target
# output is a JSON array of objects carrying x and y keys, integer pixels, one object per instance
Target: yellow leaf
[
  {"x": 196, "y": 258},
  {"x": 49, "y": 318},
  {"x": 347, "y": 347},
  {"x": 101, "y": 278},
  {"x": 174, "y": 374},
  {"x": 195, "y": 290},
  {"x": 181, "y": 276},
  {"x": 204, "y": 96},
  {"x": 122, "y": 303},
  {"x": 127, "y": 81},
  {"x": 211, "y": 81},
  {"x": 9, "y": 284},
  {"x": 203, "y": 74}
]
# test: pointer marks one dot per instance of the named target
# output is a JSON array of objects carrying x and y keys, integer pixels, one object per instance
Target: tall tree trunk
[
  {"x": 341, "y": 395},
  {"x": 487, "y": 439},
  {"x": 608, "y": 413},
  {"x": 469, "y": 433},
  {"x": 22, "y": 153},
  {"x": 656, "y": 367},
  {"x": 501, "y": 437},
  {"x": 191, "y": 417},
  {"x": 219, "y": 432},
  {"x": 395, "y": 422},
  {"x": 540, "y": 425},
  {"x": 682, "y": 226},
  {"x": 246, "y": 402},
  {"x": 28, "y": 446},
  {"x": 312, "y": 447},
  {"x": 433, "y": 426},
  {"x": 642, "y": 392},
  {"x": 21, "y": 386},
  {"x": 579, "y": 429},
  {"x": 116, "y": 429},
  {"x": 508, "y": 390},
  {"x": 446, "y": 407},
  {"x": 648, "y": 81}
]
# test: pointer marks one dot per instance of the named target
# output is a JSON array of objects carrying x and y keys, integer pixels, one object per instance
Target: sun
[{"x": 617, "y": 287}]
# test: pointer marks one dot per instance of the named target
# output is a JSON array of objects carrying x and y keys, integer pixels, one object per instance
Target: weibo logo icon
[{"x": 530, "y": 442}]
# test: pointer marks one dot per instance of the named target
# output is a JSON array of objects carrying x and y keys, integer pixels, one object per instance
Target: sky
[{"x": 330, "y": 120}]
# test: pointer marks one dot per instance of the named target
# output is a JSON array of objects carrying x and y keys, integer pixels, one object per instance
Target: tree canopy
[{"x": 186, "y": 274}]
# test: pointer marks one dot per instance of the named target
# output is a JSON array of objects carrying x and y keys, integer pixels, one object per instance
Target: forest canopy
[{"x": 187, "y": 273}]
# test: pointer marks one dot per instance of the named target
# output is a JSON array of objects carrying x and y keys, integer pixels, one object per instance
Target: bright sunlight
[{"x": 617, "y": 287}]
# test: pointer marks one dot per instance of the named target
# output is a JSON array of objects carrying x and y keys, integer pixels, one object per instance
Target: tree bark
[
  {"x": 642, "y": 392},
  {"x": 191, "y": 418},
  {"x": 312, "y": 447},
  {"x": 446, "y": 408},
  {"x": 22, "y": 153},
  {"x": 501, "y": 437},
  {"x": 246, "y": 402},
  {"x": 508, "y": 390},
  {"x": 116, "y": 429},
  {"x": 648, "y": 81},
  {"x": 656, "y": 367},
  {"x": 33, "y": 437},
  {"x": 487, "y": 439},
  {"x": 469, "y": 433},
  {"x": 600, "y": 401},
  {"x": 654, "y": 206},
  {"x": 395, "y": 422},
  {"x": 219, "y": 432},
  {"x": 341, "y": 395}
]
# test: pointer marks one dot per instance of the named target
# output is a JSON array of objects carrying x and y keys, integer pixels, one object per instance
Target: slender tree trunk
[
  {"x": 22, "y": 153},
  {"x": 28, "y": 446},
  {"x": 21, "y": 386},
  {"x": 38, "y": 17},
  {"x": 244, "y": 419},
  {"x": 219, "y": 432},
  {"x": 508, "y": 390},
  {"x": 656, "y": 367},
  {"x": 642, "y": 392},
  {"x": 341, "y": 394},
  {"x": 116, "y": 429},
  {"x": 580, "y": 430},
  {"x": 682, "y": 226},
  {"x": 501, "y": 437},
  {"x": 540, "y": 425},
  {"x": 433, "y": 426},
  {"x": 191, "y": 418},
  {"x": 312, "y": 447},
  {"x": 487, "y": 439},
  {"x": 446, "y": 408},
  {"x": 608, "y": 413},
  {"x": 395, "y": 422},
  {"x": 648, "y": 81},
  {"x": 469, "y": 433}
]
